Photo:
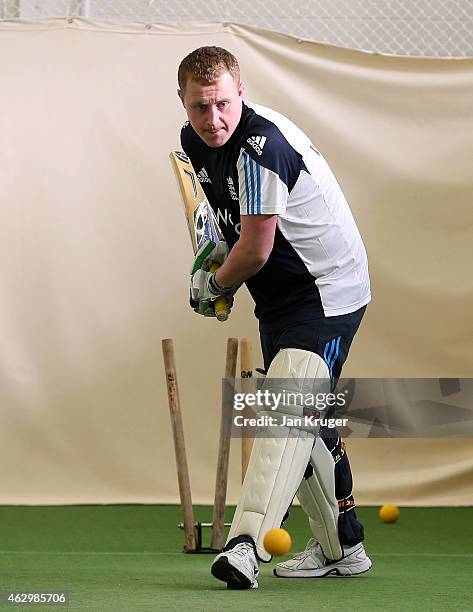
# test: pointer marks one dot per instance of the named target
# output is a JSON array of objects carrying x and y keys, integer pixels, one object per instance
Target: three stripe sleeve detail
[{"x": 252, "y": 185}]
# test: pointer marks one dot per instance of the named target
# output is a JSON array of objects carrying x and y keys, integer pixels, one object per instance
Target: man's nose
[{"x": 213, "y": 115}]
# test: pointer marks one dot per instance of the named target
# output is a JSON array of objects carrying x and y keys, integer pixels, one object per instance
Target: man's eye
[{"x": 222, "y": 104}]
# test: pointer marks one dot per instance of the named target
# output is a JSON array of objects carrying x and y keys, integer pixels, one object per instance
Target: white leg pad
[
  {"x": 277, "y": 464},
  {"x": 317, "y": 497},
  {"x": 274, "y": 472}
]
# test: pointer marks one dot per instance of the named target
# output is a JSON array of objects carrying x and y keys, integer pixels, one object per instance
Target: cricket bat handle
[{"x": 221, "y": 311}]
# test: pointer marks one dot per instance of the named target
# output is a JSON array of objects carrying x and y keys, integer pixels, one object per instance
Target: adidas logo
[
  {"x": 203, "y": 176},
  {"x": 257, "y": 142}
]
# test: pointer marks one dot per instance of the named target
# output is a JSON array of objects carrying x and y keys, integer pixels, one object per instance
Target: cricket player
[{"x": 291, "y": 238}]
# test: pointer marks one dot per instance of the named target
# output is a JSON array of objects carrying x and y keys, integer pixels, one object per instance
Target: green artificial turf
[{"x": 129, "y": 558}]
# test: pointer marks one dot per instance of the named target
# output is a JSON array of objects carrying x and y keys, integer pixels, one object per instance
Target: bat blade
[{"x": 201, "y": 219}]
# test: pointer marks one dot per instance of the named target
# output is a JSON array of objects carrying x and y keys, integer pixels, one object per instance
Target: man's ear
[
  {"x": 181, "y": 96},
  {"x": 241, "y": 89}
]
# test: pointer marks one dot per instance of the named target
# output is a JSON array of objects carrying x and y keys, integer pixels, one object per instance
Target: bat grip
[{"x": 221, "y": 311}]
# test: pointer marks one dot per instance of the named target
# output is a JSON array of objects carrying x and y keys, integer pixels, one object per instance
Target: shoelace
[
  {"x": 242, "y": 550},
  {"x": 311, "y": 545}
]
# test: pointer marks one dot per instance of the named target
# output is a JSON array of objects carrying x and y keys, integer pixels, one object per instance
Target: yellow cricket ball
[
  {"x": 389, "y": 513},
  {"x": 277, "y": 542}
]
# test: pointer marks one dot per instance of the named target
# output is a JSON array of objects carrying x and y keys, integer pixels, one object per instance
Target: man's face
[{"x": 213, "y": 109}]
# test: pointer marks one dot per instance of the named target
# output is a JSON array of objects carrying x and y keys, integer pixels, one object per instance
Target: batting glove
[
  {"x": 205, "y": 287},
  {"x": 209, "y": 254}
]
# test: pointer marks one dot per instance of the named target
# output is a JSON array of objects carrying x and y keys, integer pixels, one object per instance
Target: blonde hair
[{"x": 206, "y": 65}]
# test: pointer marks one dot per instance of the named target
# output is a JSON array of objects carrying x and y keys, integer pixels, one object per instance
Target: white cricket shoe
[
  {"x": 312, "y": 563},
  {"x": 237, "y": 567}
]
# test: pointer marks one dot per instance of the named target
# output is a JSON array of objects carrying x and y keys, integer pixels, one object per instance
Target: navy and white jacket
[{"x": 318, "y": 266}]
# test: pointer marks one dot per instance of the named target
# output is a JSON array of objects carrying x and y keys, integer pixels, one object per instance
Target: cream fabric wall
[{"x": 95, "y": 258}]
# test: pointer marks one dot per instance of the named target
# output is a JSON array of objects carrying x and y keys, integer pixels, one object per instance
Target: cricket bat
[{"x": 201, "y": 219}]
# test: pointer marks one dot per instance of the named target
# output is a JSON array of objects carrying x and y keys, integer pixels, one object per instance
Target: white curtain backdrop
[{"x": 95, "y": 256}]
